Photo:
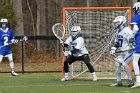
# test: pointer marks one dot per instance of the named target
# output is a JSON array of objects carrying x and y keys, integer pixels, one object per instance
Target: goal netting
[{"x": 98, "y": 32}]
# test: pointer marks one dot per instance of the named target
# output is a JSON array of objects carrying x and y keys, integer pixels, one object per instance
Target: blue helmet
[{"x": 136, "y": 7}]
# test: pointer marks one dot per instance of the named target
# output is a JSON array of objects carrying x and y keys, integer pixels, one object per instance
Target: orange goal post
[{"x": 98, "y": 31}]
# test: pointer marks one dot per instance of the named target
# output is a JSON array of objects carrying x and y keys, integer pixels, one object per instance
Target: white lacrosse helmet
[
  {"x": 120, "y": 19},
  {"x": 76, "y": 29},
  {"x": 4, "y": 20},
  {"x": 136, "y": 7}
]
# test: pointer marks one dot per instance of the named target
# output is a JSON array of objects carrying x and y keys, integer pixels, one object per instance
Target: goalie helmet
[
  {"x": 76, "y": 29},
  {"x": 120, "y": 19},
  {"x": 76, "y": 32},
  {"x": 136, "y": 7}
]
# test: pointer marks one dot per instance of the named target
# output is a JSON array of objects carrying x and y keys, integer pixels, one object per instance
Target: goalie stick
[
  {"x": 59, "y": 31},
  {"x": 25, "y": 38}
]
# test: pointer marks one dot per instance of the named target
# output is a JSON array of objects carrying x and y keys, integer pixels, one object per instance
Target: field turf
[{"x": 50, "y": 83}]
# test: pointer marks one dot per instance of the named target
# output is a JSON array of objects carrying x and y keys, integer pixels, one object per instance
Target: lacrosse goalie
[
  {"x": 79, "y": 52},
  {"x": 121, "y": 43},
  {"x": 6, "y": 37},
  {"x": 135, "y": 23}
]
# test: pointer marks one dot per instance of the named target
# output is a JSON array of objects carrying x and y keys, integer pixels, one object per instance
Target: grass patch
[{"x": 50, "y": 83}]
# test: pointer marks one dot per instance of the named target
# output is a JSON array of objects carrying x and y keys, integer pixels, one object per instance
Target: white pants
[
  {"x": 124, "y": 59},
  {"x": 10, "y": 58},
  {"x": 136, "y": 58}
]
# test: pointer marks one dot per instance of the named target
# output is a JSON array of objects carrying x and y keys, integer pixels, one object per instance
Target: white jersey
[
  {"x": 78, "y": 44},
  {"x": 122, "y": 37}
]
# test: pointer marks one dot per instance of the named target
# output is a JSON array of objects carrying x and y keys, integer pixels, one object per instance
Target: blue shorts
[{"x": 4, "y": 53}]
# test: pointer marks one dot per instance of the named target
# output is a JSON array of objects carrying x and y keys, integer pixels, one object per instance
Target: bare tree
[
  {"x": 19, "y": 30},
  {"x": 38, "y": 22},
  {"x": 41, "y": 21},
  {"x": 17, "y": 7},
  {"x": 32, "y": 18}
]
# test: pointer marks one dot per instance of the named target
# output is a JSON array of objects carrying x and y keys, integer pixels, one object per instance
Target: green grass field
[{"x": 50, "y": 83}]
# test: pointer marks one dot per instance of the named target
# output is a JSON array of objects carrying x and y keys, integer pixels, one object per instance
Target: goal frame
[{"x": 92, "y": 8}]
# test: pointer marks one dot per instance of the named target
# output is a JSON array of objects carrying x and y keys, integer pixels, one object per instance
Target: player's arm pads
[{"x": 134, "y": 30}]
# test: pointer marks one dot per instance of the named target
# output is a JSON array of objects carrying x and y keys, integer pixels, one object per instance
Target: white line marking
[
  {"x": 51, "y": 85},
  {"x": 124, "y": 91}
]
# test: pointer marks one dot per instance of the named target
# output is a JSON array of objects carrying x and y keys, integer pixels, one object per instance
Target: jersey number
[
  {"x": 120, "y": 42},
  {"x": 5, "y": 40}
]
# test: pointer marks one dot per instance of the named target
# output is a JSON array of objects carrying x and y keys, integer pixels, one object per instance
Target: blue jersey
[
  {"x": 5, "y": 39},
  {"x": 136, "y": 20}
]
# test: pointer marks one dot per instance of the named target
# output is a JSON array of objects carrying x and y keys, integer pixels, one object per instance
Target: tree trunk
[
  {"x": 19, "y": 30},
  {"x": 41, "y": 22},
  {"x": 17, "y": 6},
  {"x": 38, "y": 22}
]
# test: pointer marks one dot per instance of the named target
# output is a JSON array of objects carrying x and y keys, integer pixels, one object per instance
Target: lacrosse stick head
[
  {"x": 59, "y": 31},
  {"x": 25, "y": 38}
]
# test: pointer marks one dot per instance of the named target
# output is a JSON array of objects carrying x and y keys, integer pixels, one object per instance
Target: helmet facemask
[
  {"x": 75, "y": 32},
  {"x": 4, "y": 25}
]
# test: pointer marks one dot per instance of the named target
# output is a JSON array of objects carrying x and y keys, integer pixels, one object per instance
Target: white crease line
[{"x": 51, "y": 85}]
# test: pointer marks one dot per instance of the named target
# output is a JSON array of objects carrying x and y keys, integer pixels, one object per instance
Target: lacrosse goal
[{"x": 98, "y": 32}]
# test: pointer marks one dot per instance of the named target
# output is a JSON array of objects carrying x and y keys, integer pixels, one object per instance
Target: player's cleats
[
  {"x": 14, "y": 74},
  {"x": 117, "y": 84},
  {"x": 66, "y": 78},
  {"x": 94, "y": 77},
  {"x": 130, "y": 83},
  {"x": 137, "y": 84}
]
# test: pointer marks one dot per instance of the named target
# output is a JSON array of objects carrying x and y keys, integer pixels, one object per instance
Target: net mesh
[{"x": 98, "y": 32}]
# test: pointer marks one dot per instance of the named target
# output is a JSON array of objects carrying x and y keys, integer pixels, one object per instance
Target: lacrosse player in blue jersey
[
  {"x": 124, "y": 58},
  {"x": 6, "y": 37},
  {"x": 79, "y": 52},
  {"x": 135, "y": 23}
]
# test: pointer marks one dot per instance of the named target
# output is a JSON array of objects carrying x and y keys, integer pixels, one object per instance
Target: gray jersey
[{"x": 78, "y": 44}]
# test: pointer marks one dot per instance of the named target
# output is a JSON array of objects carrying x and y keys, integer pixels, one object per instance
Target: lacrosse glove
[
  {"x": 113, "y": 50},
  {"x": 14, "y": 41},
  {"x": 132, "y": 42},
  {"x": 131, "y": 49},
  {"x": 67, "y": 53}
]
